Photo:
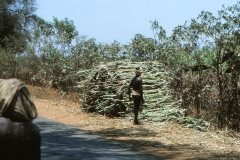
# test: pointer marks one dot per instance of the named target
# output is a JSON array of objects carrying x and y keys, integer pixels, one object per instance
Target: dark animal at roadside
[{"x": 19, "y": 140}]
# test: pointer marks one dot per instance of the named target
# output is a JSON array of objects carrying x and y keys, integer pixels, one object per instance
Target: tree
[
  {"x": 15, "y": 18},
  {"x": 86, "y": 52},
  {"x": 143, "y": 48},
  {"x": 53, "y": 42},
  {"x": 210, "y": 42},
  {"x": 110, "y": 52}
]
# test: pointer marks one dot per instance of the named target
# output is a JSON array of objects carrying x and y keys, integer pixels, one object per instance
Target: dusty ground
[{"x": 164, "y": 139}]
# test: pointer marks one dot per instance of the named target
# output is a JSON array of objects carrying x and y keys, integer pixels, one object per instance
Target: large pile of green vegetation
[{"x": 105, "y": 92}]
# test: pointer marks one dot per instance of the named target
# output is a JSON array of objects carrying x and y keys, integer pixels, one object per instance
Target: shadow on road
[{"x": 132, "y": 137}]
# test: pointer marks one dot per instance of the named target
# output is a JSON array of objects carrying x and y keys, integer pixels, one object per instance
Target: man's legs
[{"x": 137, "y": 102}]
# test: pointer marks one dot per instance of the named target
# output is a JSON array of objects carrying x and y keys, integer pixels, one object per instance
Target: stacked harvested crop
[{"x": 105, "y": 92}]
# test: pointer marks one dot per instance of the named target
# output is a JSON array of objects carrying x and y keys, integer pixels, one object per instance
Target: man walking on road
[{"x": 136, "y": 93}]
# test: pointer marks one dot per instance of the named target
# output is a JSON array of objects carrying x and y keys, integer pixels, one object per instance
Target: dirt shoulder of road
[{"x": 163, "y": 139}]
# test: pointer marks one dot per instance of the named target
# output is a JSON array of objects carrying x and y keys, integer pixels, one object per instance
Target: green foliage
[
  {"x": 143, "y": 48},
  {"x": 8, "y": 64},
  {"x": 210, "y": 45},
  {"x": 27, "y": 67},
  {"x": 110, "y": 51},
  {"x": 58, "y": 34},
  {"x": 52, "y": 43},
  {"x": 86, "y": 53},
  {"x": 15, "y": 17}
]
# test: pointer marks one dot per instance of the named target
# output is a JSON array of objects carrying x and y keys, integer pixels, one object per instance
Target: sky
[{"x": 120, "y": 20}]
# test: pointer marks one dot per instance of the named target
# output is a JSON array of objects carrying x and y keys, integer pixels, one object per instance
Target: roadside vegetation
[{"x": 201, "y": 58}]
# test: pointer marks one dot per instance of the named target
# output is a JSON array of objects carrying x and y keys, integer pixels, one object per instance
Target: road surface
[{"x": 63, "y": 142}]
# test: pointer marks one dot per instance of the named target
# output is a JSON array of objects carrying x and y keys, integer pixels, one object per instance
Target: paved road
[{"x": 63, "y": 142}]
